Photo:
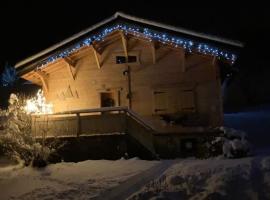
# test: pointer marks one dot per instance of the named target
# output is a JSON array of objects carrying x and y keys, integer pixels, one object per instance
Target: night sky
[{"x": 27, "y": 28}]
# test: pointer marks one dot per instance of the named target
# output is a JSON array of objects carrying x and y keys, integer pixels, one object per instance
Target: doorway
[{"x": 107, "y": 99}]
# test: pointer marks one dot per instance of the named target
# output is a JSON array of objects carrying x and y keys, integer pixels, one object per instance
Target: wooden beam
[
  {"x": 96, "y": 56},
  {"x": 97, "y": 46},
  {"x": 183, "y": 59},
  {"x": 214, "y": 60},
  {"x": 216, "y": 68},
  {"x": 69, "y": 61},
  {"x": 70, "y": 67},
  {"x": 78, "y": 131},
  {"x": 124, "y": 42},
  {"x": 43, "y": 77},
  {"x": 153, "y": 50}
]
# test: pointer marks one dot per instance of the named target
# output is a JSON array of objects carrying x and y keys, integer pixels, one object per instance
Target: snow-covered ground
[
  {"x": 82, "y": 180},
  {"x": 216, "y": 178}
]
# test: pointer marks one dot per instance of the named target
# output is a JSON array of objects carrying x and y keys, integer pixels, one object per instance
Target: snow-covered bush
[
  {"x": 234, "y": 142},
  {"x": 16, "y": 140},
  {"x": 230, "y": 143}
]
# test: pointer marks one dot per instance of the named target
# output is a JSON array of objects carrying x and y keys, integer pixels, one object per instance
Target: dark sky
[{"x": 27, "y": 28}]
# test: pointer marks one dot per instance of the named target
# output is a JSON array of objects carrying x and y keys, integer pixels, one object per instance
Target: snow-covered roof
[{"x": 134, "y": 19}]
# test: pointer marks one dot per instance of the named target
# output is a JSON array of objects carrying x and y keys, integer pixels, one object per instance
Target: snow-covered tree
[{"x": 16, "y": 140}]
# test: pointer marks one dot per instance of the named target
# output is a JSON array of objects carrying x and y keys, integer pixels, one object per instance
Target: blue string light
[{"x": 187, "y": 44}]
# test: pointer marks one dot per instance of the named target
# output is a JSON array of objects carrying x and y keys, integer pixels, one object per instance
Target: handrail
[
  {"x": 136, "y": 117},
  {"x": 93, "y": 110},
  {"x": 125, "y": 109}
]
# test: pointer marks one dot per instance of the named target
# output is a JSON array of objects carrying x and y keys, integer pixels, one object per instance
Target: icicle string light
[{"x": 189, "y": 45}]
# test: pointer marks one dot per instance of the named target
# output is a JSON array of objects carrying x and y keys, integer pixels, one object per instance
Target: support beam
[
  {"x": 214, "y": 60},
  {"x": 43, "y": 77},
  {"x": 183, "y": 60},
  {"x": 216, "y": 67},
  {"x": 78, "y": 131},
  {"x": 70, "y": 67},
  {"x": 153, "y": 50},
  {"x": 69, "y": 61},
  {"x": 125, "y": 44},
  {"x": 96, "y": 57},
  {"x": 98, "y": 46},
  {"x": 129, "y": 95}
]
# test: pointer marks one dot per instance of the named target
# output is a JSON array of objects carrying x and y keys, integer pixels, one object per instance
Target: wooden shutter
[
  {"x": 160, "y": 102},
  {"x": 188, "y": 101}
]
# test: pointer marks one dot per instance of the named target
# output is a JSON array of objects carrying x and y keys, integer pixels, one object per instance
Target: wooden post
[
  {"x": 96, "y": 56},
  {"x": 126, "y": 122},
  {"x": 183, "y": 58},
  {"x": 218, "y": 81},
  {"x": 42, "y": 76},
  {"x": 125, "y": 44},
  {"x": 129, "y": 89},
  {"x": 216, "y": 69},
  {"x": 78, "y": 124},
  {"x": 70, "y": 67},
  {"x": 153, "y": 50}
]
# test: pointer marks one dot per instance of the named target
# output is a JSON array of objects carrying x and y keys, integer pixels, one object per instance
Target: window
[{"x": 122, "y": 59}]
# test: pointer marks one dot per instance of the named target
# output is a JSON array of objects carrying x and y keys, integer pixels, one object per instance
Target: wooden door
[{"x": 107, "y": 99}]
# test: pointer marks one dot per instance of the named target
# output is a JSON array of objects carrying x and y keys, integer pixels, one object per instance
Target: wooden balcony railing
[{"x": 107, "y": 120}]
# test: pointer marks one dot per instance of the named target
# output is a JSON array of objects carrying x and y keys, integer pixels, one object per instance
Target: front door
[{"x": 107, "y": 99}]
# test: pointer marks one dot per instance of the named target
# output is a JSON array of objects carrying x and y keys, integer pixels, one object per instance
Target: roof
[{"x": 45, "y": 54}]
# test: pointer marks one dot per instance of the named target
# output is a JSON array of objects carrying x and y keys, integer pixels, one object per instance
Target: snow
[
  {"x": 180, "y": 30},
  {"x": 81, "y": 180},
  {"x": 217, "y": 178},
  {"x": 234, "y": 142},
  {"x": 214, "y": 178}
]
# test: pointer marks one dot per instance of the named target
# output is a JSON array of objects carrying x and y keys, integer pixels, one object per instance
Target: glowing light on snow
[{"x": 38, "y": 105}]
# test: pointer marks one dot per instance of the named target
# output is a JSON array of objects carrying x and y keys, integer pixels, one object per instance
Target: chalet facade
[{"x": 157, "y": 71}]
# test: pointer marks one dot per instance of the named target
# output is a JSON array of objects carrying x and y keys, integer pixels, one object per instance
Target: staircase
[{"x": 140, "y": 130}]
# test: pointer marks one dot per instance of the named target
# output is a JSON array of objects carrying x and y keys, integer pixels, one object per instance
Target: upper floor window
[{"x": 122, "y": 59}]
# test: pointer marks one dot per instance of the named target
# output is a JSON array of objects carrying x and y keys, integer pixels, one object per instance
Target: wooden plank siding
[{"x": 166, "y": 73}]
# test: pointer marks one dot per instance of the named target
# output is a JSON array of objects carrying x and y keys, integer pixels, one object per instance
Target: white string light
[{"x": 189, "y": 45}]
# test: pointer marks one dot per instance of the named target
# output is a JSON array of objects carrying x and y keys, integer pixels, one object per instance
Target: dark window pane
[
  {"x": 122, "y": 59},
  {"x": 132, "y": 59}
]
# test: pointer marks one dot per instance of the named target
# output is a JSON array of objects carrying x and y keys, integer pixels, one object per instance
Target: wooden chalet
[{"x": 164, "y": 79}]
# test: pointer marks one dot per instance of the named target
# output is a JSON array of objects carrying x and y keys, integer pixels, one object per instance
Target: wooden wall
[{"x": 176, "y": 81}]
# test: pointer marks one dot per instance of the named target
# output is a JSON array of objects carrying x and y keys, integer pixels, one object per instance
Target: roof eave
[
  {"x": 43, "y": 53},
  {"x": 181, "y": 30}
]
